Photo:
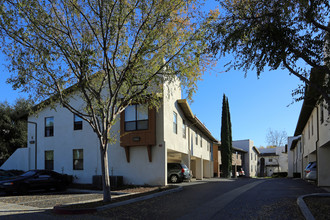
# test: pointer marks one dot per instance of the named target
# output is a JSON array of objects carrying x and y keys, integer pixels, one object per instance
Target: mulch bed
[
  {"x": 319, "y": 206},
  {"x": 136, "y": 192}
]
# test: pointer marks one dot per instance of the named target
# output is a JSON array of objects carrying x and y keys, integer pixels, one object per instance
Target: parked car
[
  {"x": 5, "y": 174},
  {"x": 177, "y": 172},
  {"x": 35, "y": 180},
  {"x": 241, "y": 172},
  {"x": 310, "y": 171}
]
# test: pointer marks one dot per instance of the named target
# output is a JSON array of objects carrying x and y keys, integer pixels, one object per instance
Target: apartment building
[{"x": 147, "y": 139}]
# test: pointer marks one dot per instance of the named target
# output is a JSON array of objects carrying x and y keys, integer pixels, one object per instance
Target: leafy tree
[
  {"x": 13, "y": 128},
  {"x": 276, "y": 138},
  {"x": 290, "y": 34},
  {"x": 226, "y": 142},
  {"x": 108, "y": 53}
]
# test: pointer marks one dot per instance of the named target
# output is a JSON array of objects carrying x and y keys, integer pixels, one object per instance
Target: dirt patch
[
  {"x": 134, "y": 192},
  {"x": 319, "y": 206}
]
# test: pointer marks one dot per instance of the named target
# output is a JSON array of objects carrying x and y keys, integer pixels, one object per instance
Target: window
[
  {"x": 49, "y": 160},
  {"x": 77, "y": 122},
  {"x": 208, "y": 146},
  {"x": 136, "y": 117},
  {"x": 184, "y": 129},
  {"x": 309, "y": 130},
  {"x": 251, "y": 156},
  {"x": 78, "y": 159},
  {"x": 175, "y": 122},
  {"x": 201, "y": 141},
  {"x": 251, "y": 168},
  {"x": 270, "y": 160},
  {"x": 196, "y": 138},
  {"x": 49, "y": 126}
]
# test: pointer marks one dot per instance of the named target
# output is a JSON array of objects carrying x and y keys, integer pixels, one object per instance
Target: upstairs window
[
  {"x": 77, "y": 123},
  {"x": 175, "y": 122},
  {"x": 184, "y": 129},
  {"x": 49, "y": 126},
  {"x": 201, "y": 141},
  {"x": 136, "y": 117},
  {"x": 196, "y": 138}
]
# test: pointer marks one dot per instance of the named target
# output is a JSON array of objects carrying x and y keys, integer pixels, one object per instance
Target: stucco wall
[{"x": 250, "y": 158}]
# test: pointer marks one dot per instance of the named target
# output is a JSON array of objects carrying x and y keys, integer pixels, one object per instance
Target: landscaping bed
[
  {"x": 319, "y": 206},
  {"x": 132, "y": 192}
]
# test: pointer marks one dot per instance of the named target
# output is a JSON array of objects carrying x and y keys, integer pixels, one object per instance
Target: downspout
[{"x": 317, "y": 143}]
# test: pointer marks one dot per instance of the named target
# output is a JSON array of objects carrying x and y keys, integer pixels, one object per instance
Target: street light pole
[{"x": 35, "y": 143}]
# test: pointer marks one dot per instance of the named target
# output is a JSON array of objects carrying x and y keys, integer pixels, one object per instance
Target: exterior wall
[
  {"x": 323, "y": 151},
  {"x": 298, "y": 159},
  {"x": 216, "y": 160},
  {"x": 138, "y": 170},
  {"x": 19, "y": 160},
  {"x": 250, "y": 158},
  {"x": 66, "y": 139},
  {"x": 310, "y": 135},
  {"x": 186, "y": 146}
]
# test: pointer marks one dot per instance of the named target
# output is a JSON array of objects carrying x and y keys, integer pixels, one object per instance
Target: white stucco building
[
  {"x": 147, "y": 139},
  {"x": 272, "y": 160},
  {"x": 250, "y": 158}
]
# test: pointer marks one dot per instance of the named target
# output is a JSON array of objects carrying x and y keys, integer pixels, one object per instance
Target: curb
[
  {"x": 304, "y": 208},
  {"x": 63, "y": 210}
]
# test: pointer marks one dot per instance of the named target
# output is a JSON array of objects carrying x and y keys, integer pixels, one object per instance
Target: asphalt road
[
  {"x": 219, "y": 199},
  {"x": 239, "y": 199}
]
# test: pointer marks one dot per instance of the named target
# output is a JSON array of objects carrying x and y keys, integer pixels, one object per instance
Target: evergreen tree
[
  {"x": 230, "y": 136},
  {"x": 225, "y": 139}
]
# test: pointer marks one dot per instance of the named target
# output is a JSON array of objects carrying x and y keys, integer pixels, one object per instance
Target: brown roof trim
[
  {"x": 193, "y": 119},
  {"x": 256, "y": 149},
  {"x": 294, "y": 143}
]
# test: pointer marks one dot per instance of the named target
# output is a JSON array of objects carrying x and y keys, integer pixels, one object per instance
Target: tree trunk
[{"x": 105, "y": 174}]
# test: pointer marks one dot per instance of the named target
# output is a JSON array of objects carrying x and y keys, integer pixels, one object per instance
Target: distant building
[
  {"x": 250, "y": 158},
  {"x": 272, "y": 160}
]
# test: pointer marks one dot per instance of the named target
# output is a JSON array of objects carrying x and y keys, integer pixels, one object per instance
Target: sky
[{"x": 256, "y": 105}]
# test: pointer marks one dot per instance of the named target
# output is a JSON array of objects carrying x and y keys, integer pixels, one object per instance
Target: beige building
[{"x": 311, "y": 142}]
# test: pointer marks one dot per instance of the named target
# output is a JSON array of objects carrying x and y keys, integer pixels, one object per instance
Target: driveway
[{"x": 209, "y": 199}]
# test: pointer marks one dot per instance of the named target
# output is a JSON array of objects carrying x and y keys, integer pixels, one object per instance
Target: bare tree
[{"x": 276, "y": 138}]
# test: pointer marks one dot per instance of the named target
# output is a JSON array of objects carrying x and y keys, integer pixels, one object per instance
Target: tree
[
  {"x": 292, "y": 34},
  {"x": 226, "y": 139},
  {"x": 13, "y": 128},
  {"x": 108, "y": 53},
  {"x": 276, "y": 138}
]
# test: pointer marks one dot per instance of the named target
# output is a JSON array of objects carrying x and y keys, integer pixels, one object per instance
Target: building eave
[{"x": 193, "y": 119}]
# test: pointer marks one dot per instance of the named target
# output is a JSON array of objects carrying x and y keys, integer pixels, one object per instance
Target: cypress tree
[
  {"x": 230, "y": 137},
  {"x": 225, "y": 140}
]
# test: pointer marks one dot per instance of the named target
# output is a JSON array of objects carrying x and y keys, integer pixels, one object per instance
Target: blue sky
[{"x": 255, "y": 104}]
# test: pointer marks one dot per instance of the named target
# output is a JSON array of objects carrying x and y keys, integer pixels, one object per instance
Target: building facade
[
  {"x": 272, "y": 160},
  {"x": 250, "y": 159},
  {"x": 146, "y": 140},
  {"x": 311, "y": 141}
]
